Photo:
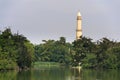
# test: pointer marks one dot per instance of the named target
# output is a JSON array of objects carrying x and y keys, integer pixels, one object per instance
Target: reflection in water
[
  {"x": 100, "y": 75},
  {"x": 60, "y": 74},
  {"x": 76, "y": 74},
  {"x": 8, "y": 75},
  {"x": 24, "y": 75}
]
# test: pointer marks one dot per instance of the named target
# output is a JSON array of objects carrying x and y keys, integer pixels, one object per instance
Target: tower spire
[{"x": 79, "y": 14}]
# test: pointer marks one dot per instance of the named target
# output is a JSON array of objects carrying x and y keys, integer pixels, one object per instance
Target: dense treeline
[
  {"x": 101, "y": 54},
  {"x": 54, "y": 51},
  {"x": 16, "y": 52}
]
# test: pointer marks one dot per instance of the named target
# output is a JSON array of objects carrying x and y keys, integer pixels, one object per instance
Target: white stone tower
[{"x": 79, "y": 26}]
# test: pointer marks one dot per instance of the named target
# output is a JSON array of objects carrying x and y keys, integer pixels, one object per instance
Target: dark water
[{"x": 61, "y": 74}]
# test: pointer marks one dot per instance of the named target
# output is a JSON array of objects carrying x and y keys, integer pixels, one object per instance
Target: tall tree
[
  {"x": 82, "y": 47},
  {"x": 15, "y": 50}
]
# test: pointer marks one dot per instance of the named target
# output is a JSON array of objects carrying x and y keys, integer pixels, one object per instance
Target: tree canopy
[
  {"x": 54, "y": 51},
  {"x": 15, "y": 51}
]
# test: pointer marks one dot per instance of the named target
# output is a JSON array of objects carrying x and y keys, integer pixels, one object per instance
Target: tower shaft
[{"x": 79, "y": 26}]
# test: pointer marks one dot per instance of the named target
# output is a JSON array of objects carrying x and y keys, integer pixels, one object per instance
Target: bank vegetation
[{"x": 16, "y": 52}]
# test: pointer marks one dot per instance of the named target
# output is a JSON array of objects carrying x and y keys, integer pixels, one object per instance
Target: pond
[{"x": 61, "y": 74}]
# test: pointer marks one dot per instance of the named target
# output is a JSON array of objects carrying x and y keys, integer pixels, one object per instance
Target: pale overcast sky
[{"x": 50, "y": 19}]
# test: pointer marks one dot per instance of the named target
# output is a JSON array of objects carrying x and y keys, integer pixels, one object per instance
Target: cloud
[{"x": 50, "y": 19}]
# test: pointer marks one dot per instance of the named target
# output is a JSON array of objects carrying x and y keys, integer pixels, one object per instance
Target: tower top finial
[{"x": 79, "y": 14}]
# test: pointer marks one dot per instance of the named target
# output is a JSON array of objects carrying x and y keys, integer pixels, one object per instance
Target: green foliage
[
  {"x": 15, "y": 50},
  {"x": 54, "y": 51},
  {"x": 82, "y": 47},
  {"x": 89, "y": 61},
  {"x": 7, "y": 64},
  {"x": 113, "y": 58},
  {"x": 46, "y": 64},
  {"x": 103, "y": 54}
]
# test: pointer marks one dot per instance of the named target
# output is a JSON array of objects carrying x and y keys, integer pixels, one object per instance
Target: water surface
[{"x": 60, "y": 74}]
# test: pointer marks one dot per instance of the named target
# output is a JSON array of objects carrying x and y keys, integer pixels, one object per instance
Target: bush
[{"x": 7, "y": 64}]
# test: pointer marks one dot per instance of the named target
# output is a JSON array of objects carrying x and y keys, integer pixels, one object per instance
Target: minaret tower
[{"x": 79, "y": 26}]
